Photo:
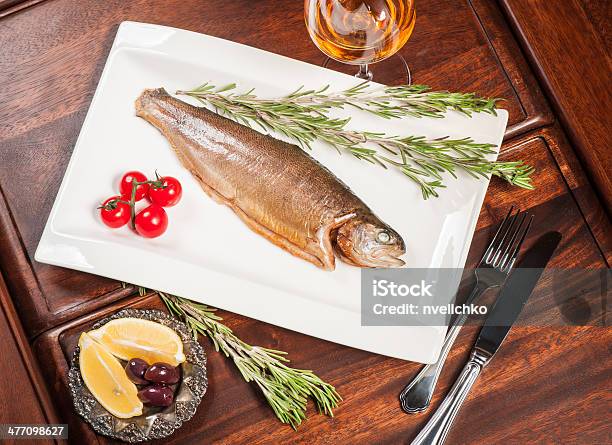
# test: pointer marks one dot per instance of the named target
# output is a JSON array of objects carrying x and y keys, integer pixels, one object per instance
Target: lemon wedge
[
  {"x": 129, "y": 338},
  {"x": 106, "y": 380}
]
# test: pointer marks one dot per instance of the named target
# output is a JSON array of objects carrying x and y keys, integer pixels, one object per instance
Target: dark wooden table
[
  {"x": 23, "y": 395},
  {"x": 547, "y": 385}
]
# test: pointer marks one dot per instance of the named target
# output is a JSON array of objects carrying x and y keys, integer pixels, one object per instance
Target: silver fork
[{"x": 492, "y": 270}]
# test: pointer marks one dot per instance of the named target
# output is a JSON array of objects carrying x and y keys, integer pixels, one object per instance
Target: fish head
[{"x": 366, "y": 241}]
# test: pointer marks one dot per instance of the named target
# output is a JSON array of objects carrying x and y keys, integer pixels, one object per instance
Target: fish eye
[{"x": 383, "y": 237}]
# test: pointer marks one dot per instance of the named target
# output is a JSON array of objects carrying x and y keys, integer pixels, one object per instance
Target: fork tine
[
  {"x": 494, "y": 258},
  {"x": 503, "y": 259},
  {"x": 499, "y": 229},
  {"x": 516, "y": 250},
  {"x": 492, "y": 244},
  {"x": 515, "y": 233}
]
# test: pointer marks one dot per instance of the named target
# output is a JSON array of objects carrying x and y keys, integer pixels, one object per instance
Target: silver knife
[{"x": 504, "y": 313}]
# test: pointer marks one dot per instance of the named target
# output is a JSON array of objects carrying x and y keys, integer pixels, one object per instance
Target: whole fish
[{"x": 276, "y": 188}]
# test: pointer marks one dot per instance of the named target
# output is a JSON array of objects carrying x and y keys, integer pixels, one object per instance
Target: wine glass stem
[{"x": 364, "y": 72}]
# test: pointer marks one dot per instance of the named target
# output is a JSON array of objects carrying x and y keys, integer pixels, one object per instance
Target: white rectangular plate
[{"x": 208, "y": 254}]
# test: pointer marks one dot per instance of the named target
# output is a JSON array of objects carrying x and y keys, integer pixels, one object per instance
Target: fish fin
[
  {"x": 325, "y": 242},
  {"x": 281, "y": 241},
  {"x": 271, "y": 236},
  {"x": 215, "y": 195}
]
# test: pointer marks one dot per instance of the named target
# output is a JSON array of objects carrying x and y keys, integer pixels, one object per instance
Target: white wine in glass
[{"x": 359, "y": 32}]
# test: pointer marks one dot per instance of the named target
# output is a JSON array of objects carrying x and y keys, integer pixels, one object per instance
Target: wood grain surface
[
  {"x": 23, "y": 394},
  {"x": 574, "y": 65},
  {"x": 545, "y": 384},
  {"x": 600, "y": 14}
]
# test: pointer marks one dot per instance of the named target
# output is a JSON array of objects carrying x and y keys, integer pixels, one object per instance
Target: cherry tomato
[
  {"x": 125, "y": 186},
  {"x": 116, "y": 214},
  {"x": 152, "y": 221},
  {"x": 169, "y": 194}
]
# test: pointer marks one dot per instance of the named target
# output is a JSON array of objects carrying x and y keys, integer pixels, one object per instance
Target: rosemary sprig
[
  {"x": 302, "y": 116},
  {"x": 387, "y": 102},
  {"x": 286, "y": 389},
  {"x": 398, "y": 101}
]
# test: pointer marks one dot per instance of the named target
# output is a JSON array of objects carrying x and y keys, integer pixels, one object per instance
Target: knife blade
[
  {"x": 515, "y": 293},
  {"x": 502, "y": 316}
]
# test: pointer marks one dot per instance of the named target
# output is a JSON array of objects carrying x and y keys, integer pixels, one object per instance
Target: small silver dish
[{"x": 154, "y": 423}]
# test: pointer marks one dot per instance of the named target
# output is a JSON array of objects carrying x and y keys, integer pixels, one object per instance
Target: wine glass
[{"x": 360, "y": 32}]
